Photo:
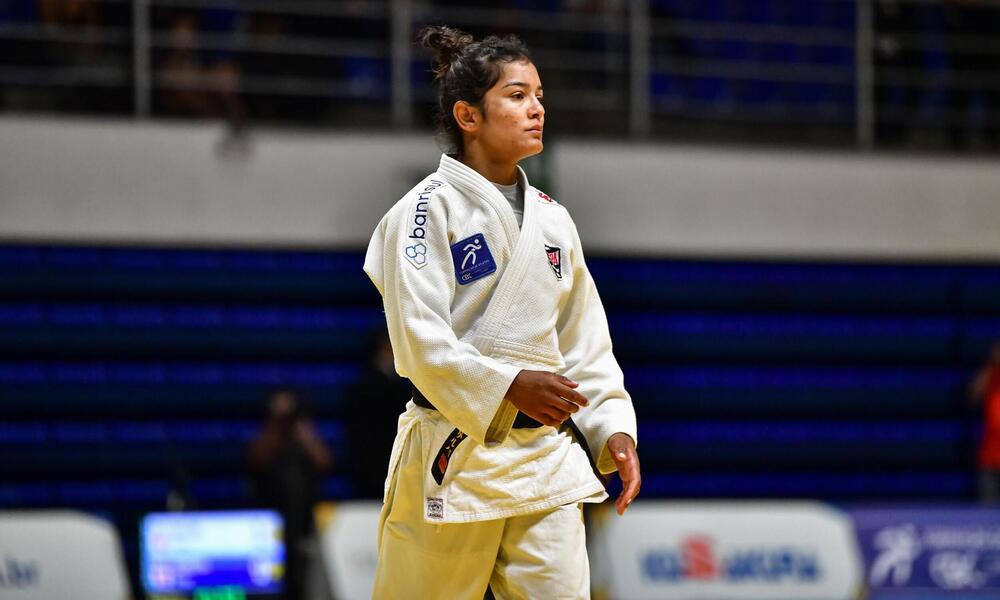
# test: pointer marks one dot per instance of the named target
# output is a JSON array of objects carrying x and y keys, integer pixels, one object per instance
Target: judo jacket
[{"x": 470, "y": 300}]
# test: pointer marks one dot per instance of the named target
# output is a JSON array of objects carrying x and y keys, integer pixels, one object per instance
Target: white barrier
[
  {"x": 60, "y": 555},
  {"x": 348, "y": 534},
  {"x": 723, "y": 551}
]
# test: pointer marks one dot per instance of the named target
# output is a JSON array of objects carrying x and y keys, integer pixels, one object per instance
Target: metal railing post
[
  {"x": 639, "y": 49},
  {"x": 401, "y": 12},
  {"x": 864, "y": 69},
  {"x": 141, "y": 76}
]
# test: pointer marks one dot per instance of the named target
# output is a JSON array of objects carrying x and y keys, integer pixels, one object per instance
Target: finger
[
  {"x": 565, "y": 405},
  {"x": 551, "y": 419},
  {"x": 620, "y": 504},
  {"x": 573, "y": 396},
  {"x": 567, "y": 381},
  {"x": 630, "y": 489},
  {"x": 561, "y": 412}
]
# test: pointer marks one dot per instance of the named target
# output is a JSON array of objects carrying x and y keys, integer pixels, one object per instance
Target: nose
[{"x": 536, "y": 110}]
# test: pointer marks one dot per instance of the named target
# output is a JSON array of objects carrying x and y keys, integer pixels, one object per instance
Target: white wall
[
  {"x": 735, "y": 202},
  {"x": 119, "y": 181},
  {"x": 166, "y": 183}
]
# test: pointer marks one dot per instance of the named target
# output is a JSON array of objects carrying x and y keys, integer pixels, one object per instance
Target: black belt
[{"x": 522, "y": 421}]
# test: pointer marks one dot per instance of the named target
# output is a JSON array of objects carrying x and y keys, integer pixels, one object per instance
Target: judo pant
[{"x": 532, "y": 556}]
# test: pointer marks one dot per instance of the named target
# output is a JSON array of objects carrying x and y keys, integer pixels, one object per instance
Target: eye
[
  {"x": 518, "y": 95},
  {"x": 541, "y": 100}
]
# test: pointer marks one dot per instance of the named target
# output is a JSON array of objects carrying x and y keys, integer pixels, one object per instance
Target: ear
[{"x": 467, "y": 116}]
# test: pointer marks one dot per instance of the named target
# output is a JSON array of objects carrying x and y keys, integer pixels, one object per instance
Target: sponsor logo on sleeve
[
  {"x": 545, "y": 197},
  {"x": 554, "y": 254},
  {"x": 416, "y": 252},
  {"x": 473, "y": 259}
]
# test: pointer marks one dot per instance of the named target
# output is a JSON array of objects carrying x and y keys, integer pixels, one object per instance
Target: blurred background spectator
[
  {"x": 972, "y": 27},
  {"x": 287, "y": 459},
  {"x": 985, "y": 392},
  {"x": 374, "y": 404}
]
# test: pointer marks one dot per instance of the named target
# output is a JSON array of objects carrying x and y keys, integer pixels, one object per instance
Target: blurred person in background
[
  {"x": 373, "y": 408},
  {"x": 985, "y": 390},
  {"x": 91, "y": 58},
  {"x": 972, "y": 27},
  {"x": 286, "y": 460},
  {"x": 197, "y": 81},
  {"x": 895, "y": 103}
]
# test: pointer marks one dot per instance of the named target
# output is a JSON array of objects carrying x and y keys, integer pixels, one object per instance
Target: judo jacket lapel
[{"x": 512, "y": 277}]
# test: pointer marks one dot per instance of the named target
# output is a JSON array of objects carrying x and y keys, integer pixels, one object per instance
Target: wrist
[{"x": 620, "y": 441}]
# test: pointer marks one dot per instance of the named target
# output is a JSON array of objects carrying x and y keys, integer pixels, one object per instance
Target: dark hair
[
  {"x": 301, "y": 398},
  {"x": 465, "y": 69}
]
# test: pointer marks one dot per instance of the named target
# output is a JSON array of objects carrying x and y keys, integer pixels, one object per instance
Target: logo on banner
[
  {"x": 17, "y": 574},
  {"x": 554, "y": 253},
  {"x": 956, "y": 570},
  {"x": 696, "y": 560},
  {"x": 472, "y": 258},
  {"x": 945, "y": 550},
  {"x": 898, "y": 547}
]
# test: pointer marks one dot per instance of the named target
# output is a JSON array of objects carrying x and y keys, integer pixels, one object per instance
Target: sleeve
[
  {"x": 417, "y": 293},
  {"x": 585, "y": 343}
]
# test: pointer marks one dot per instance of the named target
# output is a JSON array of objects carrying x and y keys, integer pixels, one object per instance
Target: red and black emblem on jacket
[
  {"x": 555, "y": 259},
  {"x": 444, "y": 455}
]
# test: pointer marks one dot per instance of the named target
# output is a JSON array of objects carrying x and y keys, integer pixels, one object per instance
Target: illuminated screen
[{"x": 227, "y": 555}]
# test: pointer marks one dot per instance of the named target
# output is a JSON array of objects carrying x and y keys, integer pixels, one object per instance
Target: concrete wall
[{"x": 168, "y": 183}]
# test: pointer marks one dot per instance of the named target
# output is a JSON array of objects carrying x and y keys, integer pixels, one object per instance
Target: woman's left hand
[{"x": 622, "y": 450}]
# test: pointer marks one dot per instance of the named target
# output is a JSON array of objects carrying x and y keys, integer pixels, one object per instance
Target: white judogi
[{"x": 470, "y": 300}]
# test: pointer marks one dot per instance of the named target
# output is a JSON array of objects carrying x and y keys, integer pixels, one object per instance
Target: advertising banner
[
  {"x": 60, "y": 555},
  {"x": 348, "y": 538},
  {"x": 932, "y": 552},
  {"x": 724, "y": 550}
]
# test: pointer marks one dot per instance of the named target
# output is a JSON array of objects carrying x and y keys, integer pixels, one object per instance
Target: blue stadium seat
[{"x": 765, "y": 378}]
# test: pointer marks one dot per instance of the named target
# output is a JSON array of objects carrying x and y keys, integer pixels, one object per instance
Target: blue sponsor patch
[{"x": 472, "y": 259}]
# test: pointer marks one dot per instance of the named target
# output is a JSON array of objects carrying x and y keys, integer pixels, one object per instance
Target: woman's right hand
[{"x": 546, "y": 397}]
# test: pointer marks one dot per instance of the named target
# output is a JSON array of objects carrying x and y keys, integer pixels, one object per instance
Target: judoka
[{"x": 518, "y": 401}]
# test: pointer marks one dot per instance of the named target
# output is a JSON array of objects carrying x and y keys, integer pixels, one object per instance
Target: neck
[{"x": 502, "y": 172}]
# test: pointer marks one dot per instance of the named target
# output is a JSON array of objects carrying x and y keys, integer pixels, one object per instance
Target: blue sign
[
  {"x": 472, "y": 258},
  {"x": 932, "y": 552}
]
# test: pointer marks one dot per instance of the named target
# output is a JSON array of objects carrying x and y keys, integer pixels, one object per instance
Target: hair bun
[{"x": 445, "y": 42}]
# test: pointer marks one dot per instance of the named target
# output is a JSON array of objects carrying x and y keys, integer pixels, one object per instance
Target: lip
[{"x": 538, "y": 129}]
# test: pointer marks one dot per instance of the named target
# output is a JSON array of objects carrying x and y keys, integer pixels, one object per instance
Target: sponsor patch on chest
[
  {"x": 472, "y": 258},
  {"x": 554, "y": 254}
]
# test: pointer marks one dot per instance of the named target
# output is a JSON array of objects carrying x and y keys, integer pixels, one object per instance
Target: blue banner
[{"x": 930, "y": 552}]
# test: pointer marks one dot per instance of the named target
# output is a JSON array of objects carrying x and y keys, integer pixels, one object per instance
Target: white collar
[{"x": 461, "y": 175}]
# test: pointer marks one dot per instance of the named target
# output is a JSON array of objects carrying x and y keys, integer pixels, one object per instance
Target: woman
[{"x": 494, "y": 318}]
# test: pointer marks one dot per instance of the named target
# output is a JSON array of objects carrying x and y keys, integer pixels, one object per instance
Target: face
[
  {"x": 511, "y": 128},
  {"x": 282, "y": 405}
]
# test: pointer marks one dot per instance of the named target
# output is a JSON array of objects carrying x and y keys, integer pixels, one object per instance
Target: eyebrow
[{"x": 518, "y": 83}]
